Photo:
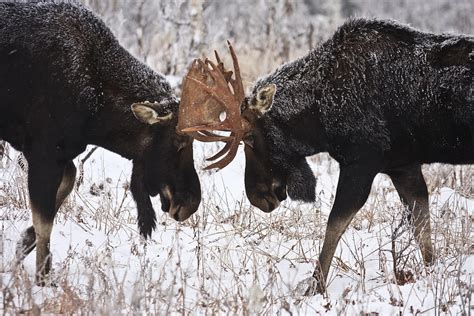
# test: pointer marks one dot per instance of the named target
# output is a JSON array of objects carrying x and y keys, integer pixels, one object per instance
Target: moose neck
[
  {"x": 295, "y": 114},
  {"x": 119, "y": 133},
  {"x": 124, "y": 80}
]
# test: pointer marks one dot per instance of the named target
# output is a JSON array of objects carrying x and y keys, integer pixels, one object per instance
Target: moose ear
[
  {"x": 145, "y": 113},
  {"x": 262, "y": 102}
]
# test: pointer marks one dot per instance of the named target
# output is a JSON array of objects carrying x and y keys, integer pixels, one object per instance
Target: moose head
[
  {"x": 166, "y": 167},
  {"x": 213, "y": 99}
]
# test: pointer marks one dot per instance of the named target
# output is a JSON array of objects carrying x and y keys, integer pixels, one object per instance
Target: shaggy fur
[
  {"x": 378, "y": 97},
  {"x": 65, "y": 82},
  {"x": 370, "y": 74}
]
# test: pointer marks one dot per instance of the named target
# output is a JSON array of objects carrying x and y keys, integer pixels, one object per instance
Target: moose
[
  {"x": 65, "y": 82},
  {"x": 379, "y": 97}
]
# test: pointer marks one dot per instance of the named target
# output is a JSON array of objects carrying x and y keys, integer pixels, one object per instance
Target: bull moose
[
  {"x": 66, "y": 82},
  {"x": 379, "y": 97}
]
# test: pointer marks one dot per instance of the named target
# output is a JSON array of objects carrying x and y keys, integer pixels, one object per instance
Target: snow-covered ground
[{"x": 231, "y": 258}]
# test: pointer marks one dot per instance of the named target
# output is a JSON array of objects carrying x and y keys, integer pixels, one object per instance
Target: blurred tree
[
  {"x": 266, "y": 33},
  {"x": 348, "y": 8}
]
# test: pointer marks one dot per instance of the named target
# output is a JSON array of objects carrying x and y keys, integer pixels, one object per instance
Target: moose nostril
[
  {"x": 166, "y": 199},
  {"x": 279, "y": 189},
  {"x": 269, "y": 203},
  {"x": 274, "y": 204},
  {"x": 176, "y": 216},
  {"x": 180, "y": 213}
]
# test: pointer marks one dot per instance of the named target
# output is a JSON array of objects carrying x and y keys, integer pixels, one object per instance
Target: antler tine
[
  {"x": 221, "y": 152},
  {"x": 237, "y": 82},
  {"x": 216, "y": 137},
  {"x": 220, "y": 64},
  {"x": 226, "y": 160},
  {"x": 216, "y": 73},
  {"x": 219, "y": 61}
]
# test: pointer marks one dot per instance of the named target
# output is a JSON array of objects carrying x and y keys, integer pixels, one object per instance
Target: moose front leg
[
  {"x": 146, "y": 213},
  {"x": 353, "y": 189},
  {"x": 67, "y": 183},
  {"x": 44, "y": 179},
  {"x": 28, "y": 238},
  {"x": 43, "y": 226},
  {"x": 411, "y": 188}
]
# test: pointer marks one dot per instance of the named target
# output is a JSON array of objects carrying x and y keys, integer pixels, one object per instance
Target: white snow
[{"x": 230, "y": 257}]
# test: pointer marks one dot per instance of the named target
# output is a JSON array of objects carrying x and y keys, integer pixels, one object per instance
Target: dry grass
[{"x": 230, "y": 258}]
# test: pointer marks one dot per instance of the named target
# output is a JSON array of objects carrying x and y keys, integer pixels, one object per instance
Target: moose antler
[{"x": 211, "y": 101}]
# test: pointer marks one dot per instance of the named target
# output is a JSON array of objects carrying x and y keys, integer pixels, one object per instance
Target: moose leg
[
  {"x": 26, "y": 244},
  {"x": 28, "y": 238},
  {"x": 146, "y": 213},
  {"x": 44, "y": 179},
  {"x": 67, "y": 183},
  {"x": 352, "y": 191},
  {"x": 411, "y": 188}
]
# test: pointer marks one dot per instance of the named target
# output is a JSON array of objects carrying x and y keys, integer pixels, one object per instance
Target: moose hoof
[
  {"x": 45, "y": 281},
  {"x": 26, "y": 244},
  {"x": 309, "y": 287},
  {"x": 428, "y": 259}
]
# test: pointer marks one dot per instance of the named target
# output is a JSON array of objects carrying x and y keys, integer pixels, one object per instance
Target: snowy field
[{"x": 231, "y": 258}]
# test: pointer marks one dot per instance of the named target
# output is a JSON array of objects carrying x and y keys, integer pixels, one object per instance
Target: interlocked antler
[{"x": 211, "y": 101}]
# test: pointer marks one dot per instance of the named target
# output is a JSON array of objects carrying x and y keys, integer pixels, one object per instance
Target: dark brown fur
[
  {"x": 65, "y": 82},
  {"x": 378, "y": 97}
]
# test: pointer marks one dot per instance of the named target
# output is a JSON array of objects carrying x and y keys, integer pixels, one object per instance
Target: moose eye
[
  {"x": 180, "y": 144},
  {"x": 249, "y": 140}
]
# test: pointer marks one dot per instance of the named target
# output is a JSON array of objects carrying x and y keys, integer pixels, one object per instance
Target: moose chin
[{"x": 379, "y": 97}]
